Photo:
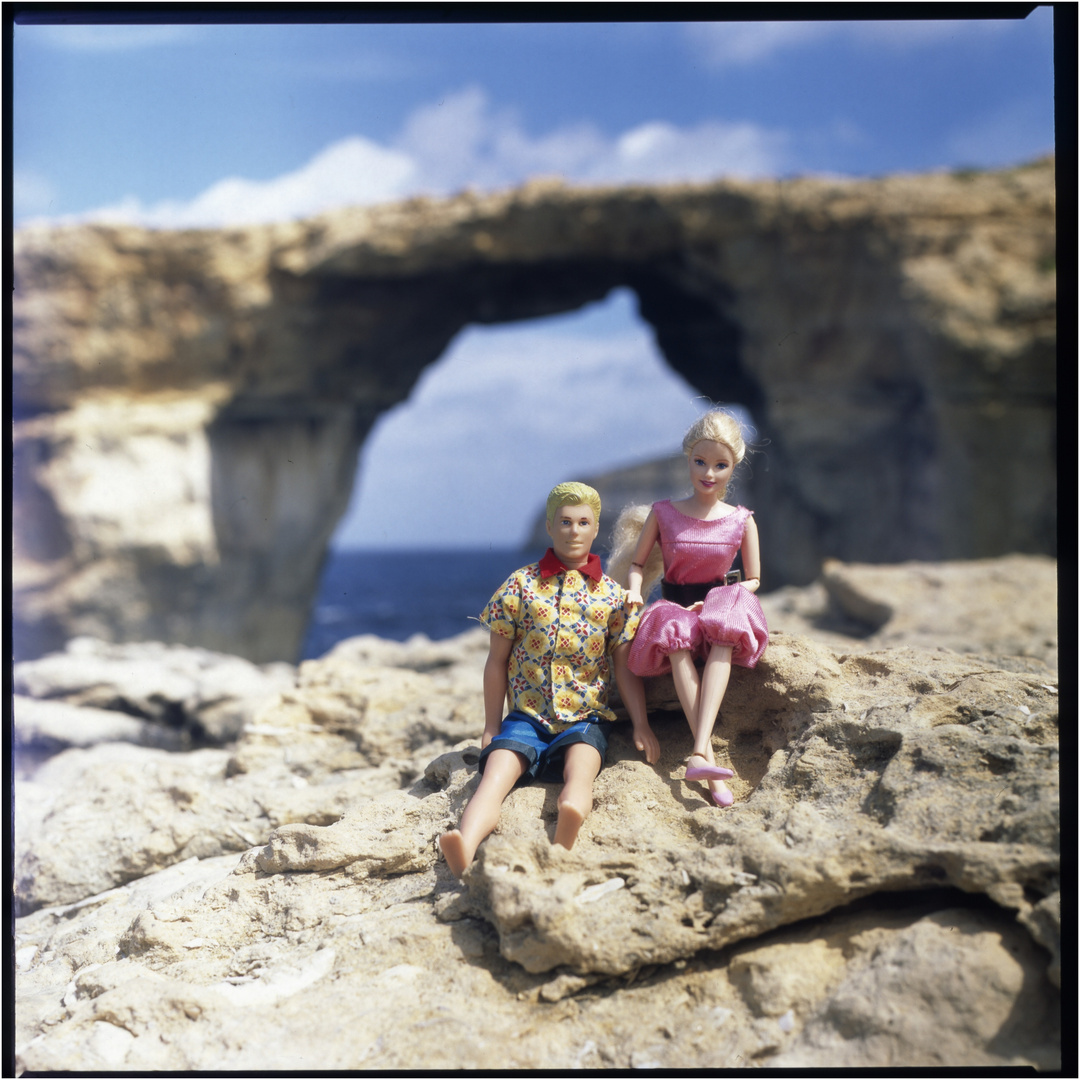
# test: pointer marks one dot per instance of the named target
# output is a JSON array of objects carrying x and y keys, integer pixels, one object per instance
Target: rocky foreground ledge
[{"x": 241, "y": 873}]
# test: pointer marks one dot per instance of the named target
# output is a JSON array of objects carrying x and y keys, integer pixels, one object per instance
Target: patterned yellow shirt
[{"x": 564, "y": 624}]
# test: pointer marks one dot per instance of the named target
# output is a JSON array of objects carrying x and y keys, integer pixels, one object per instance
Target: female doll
[{"x": 700, "y": 617}]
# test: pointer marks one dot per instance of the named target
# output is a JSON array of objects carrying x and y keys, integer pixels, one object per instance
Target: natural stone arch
[{"x": 894, "y": 340}]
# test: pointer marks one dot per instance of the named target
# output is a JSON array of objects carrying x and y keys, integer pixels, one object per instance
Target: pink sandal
[{"x": 707, "y": 771}]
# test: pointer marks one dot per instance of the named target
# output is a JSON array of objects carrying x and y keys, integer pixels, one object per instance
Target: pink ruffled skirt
[{"x": 731, "y": 615}]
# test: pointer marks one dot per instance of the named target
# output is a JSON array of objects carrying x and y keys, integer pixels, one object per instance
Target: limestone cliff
[{"x": 189, "y": 406}]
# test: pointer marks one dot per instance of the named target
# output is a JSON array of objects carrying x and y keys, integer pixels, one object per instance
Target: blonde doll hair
[
  {"x": 572, "y": 493},
  {"x": 720, "y": 426},
  {"x": 624, "y": 539}
]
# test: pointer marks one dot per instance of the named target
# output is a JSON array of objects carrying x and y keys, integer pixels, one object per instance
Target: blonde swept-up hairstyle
[
  {"x": 717, "y": 425},
  {"x": 572, "y": 493}
]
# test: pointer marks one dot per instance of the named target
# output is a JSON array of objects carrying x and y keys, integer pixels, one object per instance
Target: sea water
[{"x": 395, "y": 594}]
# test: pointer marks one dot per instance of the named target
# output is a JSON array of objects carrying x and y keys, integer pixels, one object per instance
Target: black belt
[{"x": 687, "y": 595}]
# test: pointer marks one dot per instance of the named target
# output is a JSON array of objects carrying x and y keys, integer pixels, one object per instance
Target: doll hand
[
  {"x": 751, "y": 584},
  {"x": 696, "y": 607},
  {"x": 646, "y": 741},
  {"x": 487, "y": 737},
  {"x": 633, "y": 599}
]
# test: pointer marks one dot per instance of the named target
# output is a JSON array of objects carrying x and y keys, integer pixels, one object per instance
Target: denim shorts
[{"x": 544, "y": 751}]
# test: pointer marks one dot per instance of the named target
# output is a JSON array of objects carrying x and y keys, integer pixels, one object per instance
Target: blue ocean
[{"x": 395, "y": 594}]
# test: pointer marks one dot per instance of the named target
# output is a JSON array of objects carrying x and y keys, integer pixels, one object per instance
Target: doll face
[
  {"x": 572, "y": 531},
  {"x": 711, "y": 465}
]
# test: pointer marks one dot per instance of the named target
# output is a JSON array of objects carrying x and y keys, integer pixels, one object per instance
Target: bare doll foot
[
  {"x": 457, "y": 858},
  {"x": 568, "y": 825}
]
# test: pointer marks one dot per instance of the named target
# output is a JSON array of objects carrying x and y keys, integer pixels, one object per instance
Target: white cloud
[
  {"x": 459, "y": 141},
  {"x": 462, "y": 140},
  {"x": 659, "y": 151},
  {"x": 108, "y": 37},
  {"x": 354, "y": 170},
  {"x": 723, "y": 44}
]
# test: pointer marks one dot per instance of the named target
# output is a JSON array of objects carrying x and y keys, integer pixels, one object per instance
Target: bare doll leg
[
  {"x": 700, "y": 698},
  {"x": 687, "y": 684},
  {"x": 502, "y": 771},
  {"x": 714, "y": 682},
  {"x": 575, "y": 800},
  {"x": 688, "y": 687}
]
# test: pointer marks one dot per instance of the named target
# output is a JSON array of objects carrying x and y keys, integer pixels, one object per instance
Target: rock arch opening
[
  {"x": 461, "y": 467},
  {"x": 508, "y": 410}
]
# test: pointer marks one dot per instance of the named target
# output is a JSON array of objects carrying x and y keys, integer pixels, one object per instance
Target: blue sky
[{"x": 173, "y": 126}]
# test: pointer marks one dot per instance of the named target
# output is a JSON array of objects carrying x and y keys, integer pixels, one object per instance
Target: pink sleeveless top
[{"x": 696, "y": 551}]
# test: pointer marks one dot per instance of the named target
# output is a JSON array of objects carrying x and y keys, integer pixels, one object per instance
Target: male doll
[{"x": 557, "y": 628}]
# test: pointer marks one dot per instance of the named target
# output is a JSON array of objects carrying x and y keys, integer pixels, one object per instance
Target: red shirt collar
[{"x": 552, "y": 564}]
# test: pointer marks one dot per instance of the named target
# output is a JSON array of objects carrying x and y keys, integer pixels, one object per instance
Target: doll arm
[
  {"x": 632, "y": 692},
  {"x": 496, "y": 684},
  {"x": 650, "y": 533},
  {"x": 751, "y": 556}
]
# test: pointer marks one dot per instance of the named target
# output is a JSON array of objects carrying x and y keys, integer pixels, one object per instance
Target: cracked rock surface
[{"x": 884, "y": 892}]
